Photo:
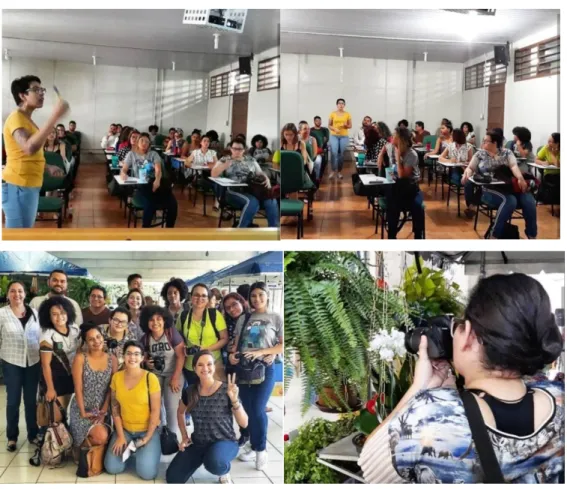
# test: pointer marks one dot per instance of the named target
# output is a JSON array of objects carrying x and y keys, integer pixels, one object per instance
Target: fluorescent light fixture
[
  {"x": 173, "y": 65},
  {"x": 341, "y": 52},
  {"x": 216, "y": 40},
  {"x": 94, "y": 60},
  {"x": 6, "y": 55},
  {"x": 425, "y": 56}
]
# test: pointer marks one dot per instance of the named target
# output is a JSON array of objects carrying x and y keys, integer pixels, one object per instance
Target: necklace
[{"x": 204, "y": 398}]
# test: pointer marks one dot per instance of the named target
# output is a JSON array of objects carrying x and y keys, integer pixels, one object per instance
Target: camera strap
[
  {"x": 492, "y": 474},
  {"x": 187, "y": 317}
]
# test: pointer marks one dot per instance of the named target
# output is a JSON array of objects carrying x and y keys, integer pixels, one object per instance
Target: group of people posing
[{"x": 124, "y": 374}]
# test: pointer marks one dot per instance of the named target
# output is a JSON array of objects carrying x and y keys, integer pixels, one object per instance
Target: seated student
[
  {"x": 310, "y": 141},
  {"x": 153, "y": 132},
  {"x": 62, "y": 135},
  {"x": 487, "y": 160},
  {"x": 359, "y": 135},
  {"x": 202, "y": 156},
  {"x": 73, "y": 129},
  {"x": 457, "y": 151},
  {"x": 468, "y": 129},
  {"x": 384, "y": 131},
  {"x": 171, "y": 133},
  {"x": 419, "y": 133},
  {"x": 157, "y": 193},
  {"x": 194, "y": 144},
  {"x": 238, "y": 167},
  {"x": 215, "y": 144},
  {"x": 125, "y": 147},
  {"x": 374, "y": 143},
  {"x": 290, "y": 142},
  {"x": 523, "y": 148},
  {"x": 499, "y": 131},
  {"x": 177, "y": 145},
  {"x": 123, "y": 138},
  {"x": 259, "y": 149},
  {"x": 135, "y": 400},
  {"x": 213, "y": 406},
  {"x": 320, "y": 132},
  {"x": 54, "y": 145},
  {"x": 444, "y": 140},
  {"x": 119, "y": 129},
  {"x": 550, "y": 155},
  {"x": 443, "y": 122},
  {"x": 403, "y": 124},
  {"x": 405, "y": 194}
]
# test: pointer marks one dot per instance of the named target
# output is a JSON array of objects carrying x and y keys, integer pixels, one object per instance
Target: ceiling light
[
  {"x": 216, "y": 40},
  {"x": 341, "y": 52},
  {"x": 173, "y": 65},
  {"x": 6, "y": 55},
  {"x": 473, "y": 12},
  {"x": 94, "y": 60},
  {"x": 425, "y": 56}
]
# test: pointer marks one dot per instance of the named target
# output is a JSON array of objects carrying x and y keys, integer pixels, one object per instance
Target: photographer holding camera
[
  {"x": 202, "y": 328},
  {"x": 507, "y": 336},
  {"x": 118, "y": 332},
  {"x": 165, "y": 356}
]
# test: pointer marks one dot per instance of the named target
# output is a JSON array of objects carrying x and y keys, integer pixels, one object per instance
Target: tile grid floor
[{"x": 15, "y": 467}]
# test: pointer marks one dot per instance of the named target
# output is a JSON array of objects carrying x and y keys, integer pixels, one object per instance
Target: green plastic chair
[
  {"x": 509, "y": 144},
  {"x": 291, "y": 182},
  {"x": 158, "y": 141},
  {"x": 51, "y": 205},
  {"x": 429, "y": 163},
  {"x": 55, "y": 159}
]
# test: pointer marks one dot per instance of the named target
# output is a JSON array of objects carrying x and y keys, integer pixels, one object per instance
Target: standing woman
[
  {"x": 261, "y": 338},
  {"x": 25, "y": 162},
  {"x": 119, "y": 332},
  {"x": 135, "y": 401},
  {"x": 135, "y": 302},
  {"x": 213, "y": 406},
  {"x": 174, "y": 294},
  {"x": 161, "y": 340},
  {"x": 216, "y": 299},
  {"x": 92, "y": 371},
  {"x": 19, "y": 352},
  {"x": 339, "y": 124},
  {"x": 202, "y": 328},
  {"x": 58, "y": 344}
]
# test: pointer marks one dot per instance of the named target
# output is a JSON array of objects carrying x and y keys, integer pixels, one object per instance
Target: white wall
[
  {"x": 99, "y": 95},
  {"x": 530, "y": 103},
  {"x": 263, "y": 107}
]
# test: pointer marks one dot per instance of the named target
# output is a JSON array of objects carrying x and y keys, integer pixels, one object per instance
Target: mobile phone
[{"x": 56, "y": 91}]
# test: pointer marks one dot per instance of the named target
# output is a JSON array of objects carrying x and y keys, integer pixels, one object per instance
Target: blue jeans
[
  {"x": 20, "y": 205},
  {"x": 152, "y": 201},
  {"x": 469, "y": 192},
  {"x": 338, "y": 147},
  {"x": 250, "y": 205},
  {"x": 254, "y": 401},
  {"x": 395, "y": 205},
  {"x": 216, "y": 458},
  {"x": 20, "y": 379},
  {"x": 147, "y": 457},
  {"x": 317, "y": 166},
  {"x": 506, "y": 205}
]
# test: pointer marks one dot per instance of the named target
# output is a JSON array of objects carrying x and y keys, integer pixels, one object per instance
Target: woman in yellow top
[
  {"x": 202, "y": 328},
  {"x": 25, "y": 162},
  {"x": 135, "y": 399},
  {"x": 339, "y": 124},
  {"x": 549, "y": 154}
]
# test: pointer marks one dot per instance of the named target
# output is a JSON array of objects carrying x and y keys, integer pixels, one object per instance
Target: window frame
[
  {"x": 262, "y": 76},
  {"x": 526, "y": 52}
]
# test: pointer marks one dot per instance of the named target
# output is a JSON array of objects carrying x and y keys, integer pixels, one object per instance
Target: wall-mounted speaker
[
  {"x": 245, "y": 65},
  {"x": 502, "y": 55}
]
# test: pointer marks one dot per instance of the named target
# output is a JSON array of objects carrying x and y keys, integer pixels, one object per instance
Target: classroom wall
[
  {"x": 530, "y": 103},
  {"x": 263, "y": 107},
  {"x": 99, "y": 95},
  {"x": 387, "y": 90}
]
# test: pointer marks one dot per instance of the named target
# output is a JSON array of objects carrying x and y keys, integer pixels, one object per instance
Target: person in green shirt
[
  {"x": 550, "y": 153},
  {"x": 202, "y": 328}
]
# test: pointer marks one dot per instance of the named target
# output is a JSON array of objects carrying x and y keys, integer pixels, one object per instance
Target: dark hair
[
  {"x": 496, "y": 137},
  {"x": 404, "y": 135},
  {"x": 193, "y": 390},
  {"x": 216, "y": 293},
  {"x": 179, "y": 285},
  {"x": 238, "y": 298},
  {"x": 257, "y": 285},
  {"x": 121, "y": 310},
  {"x": 522, "y": 133},
  {"x": 203, "y": 286},
  {"x": 459, "y": 136},
  {"x": 86, "y": 327},
  {"x": 511, "y": 315},
  {"x": 212, "y": 135},
  {"x": 98, "y": 287},
  {"x": 371, "y": 136},
  {"x": 527, "y": 145},
  {"x": 367, "y": 117},
  {"x": 196, "y": 131},
  {"x": 244, "y": 291},
  {"x": 132, "y": 291},
  {"x": 515, "y": 130},
  {"x": 22, "y": 85},
  {"x": 448, "y": 124},
  {"x": 150, "y": 311},
  {"x": 555, "y": 136},
  {"x": 134, "y": 276},
  {"x": 72, "y": 122},
  {"x": 153, "y": 126},
  {"x": 15, "y": 282},
  {"x": 317, "y": 117},
  {"x": 147, "y": 136},
  {"x": 468, "y": 125},
  {"x": 118, "y": 124},
  {"x": 403, "y": 122},
  {"x": 498, "y": 130},
  {"x": 290, "y": 126},
  {"x": 125, "y": 134},
  {"x": 57, "y": 270},
  {"x": 44, "y": 312},
  {"x": 259, "y": 137},
  {"x": 420, "y": 124},
  {"x": 134, "y": 343},
  {"x": 60, "y": 125},
  {"x": 340, "y": 100},
  {"x": 172, "y": 129},
  {"x": 445, "y": 120},
  {"x": 384, "y": 130},
  {"x": 237, "y": 140}
]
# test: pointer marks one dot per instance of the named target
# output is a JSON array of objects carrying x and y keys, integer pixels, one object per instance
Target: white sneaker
[
  {"x": 261, "y": 460},
  {"x": 340, "y": 176},
  {"x": 225, "y": 479},
  {"x": 246, "y": 453},
  {"x": 332, "y": 175}
]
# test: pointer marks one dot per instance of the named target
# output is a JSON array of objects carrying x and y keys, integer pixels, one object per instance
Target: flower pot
[{"x": 335, "y": 405}]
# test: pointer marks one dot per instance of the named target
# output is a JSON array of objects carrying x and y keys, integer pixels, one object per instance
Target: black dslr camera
[
  {"x": 439, "y": 339},
  {"x": 159, "y": 363},
  {"x": 111, "y": 343},
  {"x": 192, "y": 350}
]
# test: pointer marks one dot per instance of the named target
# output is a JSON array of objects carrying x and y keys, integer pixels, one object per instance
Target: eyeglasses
[
  {"x": 228, "y": 307},
  {"x": 118, "y": 322},
  {"x": 455, "y": 323},
  {"x": 97, "y": 297},
  {"x": 135, "y": 354},
  {"x": 201, "y": 296},
  {"x": 39, "y": 90},
  {"x": 237, "y": 149}
]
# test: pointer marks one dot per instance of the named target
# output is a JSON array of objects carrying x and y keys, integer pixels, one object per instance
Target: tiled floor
[
  {"x": 340, "y": 214},
  {"x": 15, "y": 467}
]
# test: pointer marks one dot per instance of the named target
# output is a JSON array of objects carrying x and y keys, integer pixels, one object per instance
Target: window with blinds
[
  {"x": 537, "y": 60},
  {"x": 229, "y": 83},
  {"x": 269, "y": 74},
  {"x": 484, "y": 74}
]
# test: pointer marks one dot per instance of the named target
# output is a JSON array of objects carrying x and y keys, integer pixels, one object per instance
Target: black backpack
[{"x": 185, "y": 314}]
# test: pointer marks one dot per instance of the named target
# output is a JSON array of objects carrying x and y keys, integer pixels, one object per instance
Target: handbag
[
  {"x": 91, "y": 458},
  {"x": 251, "y": 372},
  {"x": 168, "y": 441},
  {"x": 492, "y": 474},
  {"x": 56, "y": 443},
  {"x": 257, "y": 186},
  {"x": 42, "y": 411}
]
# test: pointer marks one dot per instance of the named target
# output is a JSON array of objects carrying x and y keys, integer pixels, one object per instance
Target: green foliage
[
  {"x": 300, "y": 455},
  {"x": 78, "y": 289},
  {"x": 430, "y": 293},
  {"x": 332, "y": 308},
  {"x": 4, "y": 281}
]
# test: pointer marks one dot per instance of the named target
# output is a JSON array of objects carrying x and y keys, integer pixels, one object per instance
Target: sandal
[{"x": 11, "y": 447}]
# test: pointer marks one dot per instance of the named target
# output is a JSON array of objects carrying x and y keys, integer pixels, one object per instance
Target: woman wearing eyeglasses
[
  {"x": 507, "y": 337},
  {"x": 238, "y": 167},
  {"x": 25, "y": 162},
  {"x": 118, "y": 332},
  {"x": 135, "y": 400}
]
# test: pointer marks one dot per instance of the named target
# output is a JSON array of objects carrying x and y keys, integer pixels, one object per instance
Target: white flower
[
  {"x": 388, "y": 345},
  {"x": 386, "y": 354}
]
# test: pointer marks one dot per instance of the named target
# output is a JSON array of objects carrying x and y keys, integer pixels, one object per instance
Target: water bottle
[
  {"x": 115, "y": 161},
  {"x": 142, "y": 174}
]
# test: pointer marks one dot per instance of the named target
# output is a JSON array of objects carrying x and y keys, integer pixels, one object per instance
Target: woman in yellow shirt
[
  {"x": 25, "y": 162},
  {"x": 202, "y": 328},
  {"x": 339, "y": 124},
  {"x": 135, "y": 399}
]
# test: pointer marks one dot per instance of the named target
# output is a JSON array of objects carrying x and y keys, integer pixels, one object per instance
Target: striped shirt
[{"x": 18, "y": 345}]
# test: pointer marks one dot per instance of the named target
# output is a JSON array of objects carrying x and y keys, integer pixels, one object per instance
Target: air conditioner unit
[{"x": 225, "y": 19}]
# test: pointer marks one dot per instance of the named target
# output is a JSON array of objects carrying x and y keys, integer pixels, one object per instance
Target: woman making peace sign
[{"x": 212, "y": 405}]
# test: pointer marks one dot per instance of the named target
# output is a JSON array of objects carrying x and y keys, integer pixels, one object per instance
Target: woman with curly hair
[
  {"x": 259, "y": 149},
  {"x": 174, "y": 294},
  {"x": 58, "y": 344},
  {"x": 165, "y": 356}
]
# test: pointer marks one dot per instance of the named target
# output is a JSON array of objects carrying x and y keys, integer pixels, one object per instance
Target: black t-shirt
[{"x": 28, "y": 315}]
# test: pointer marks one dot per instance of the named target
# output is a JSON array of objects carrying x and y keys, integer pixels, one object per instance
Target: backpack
[
  {"x": 183, "y": 319},
  {"x": 56, "y": 443}
]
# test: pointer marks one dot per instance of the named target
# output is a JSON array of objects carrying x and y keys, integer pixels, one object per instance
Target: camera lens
[{"x": 439, "y": 340}]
